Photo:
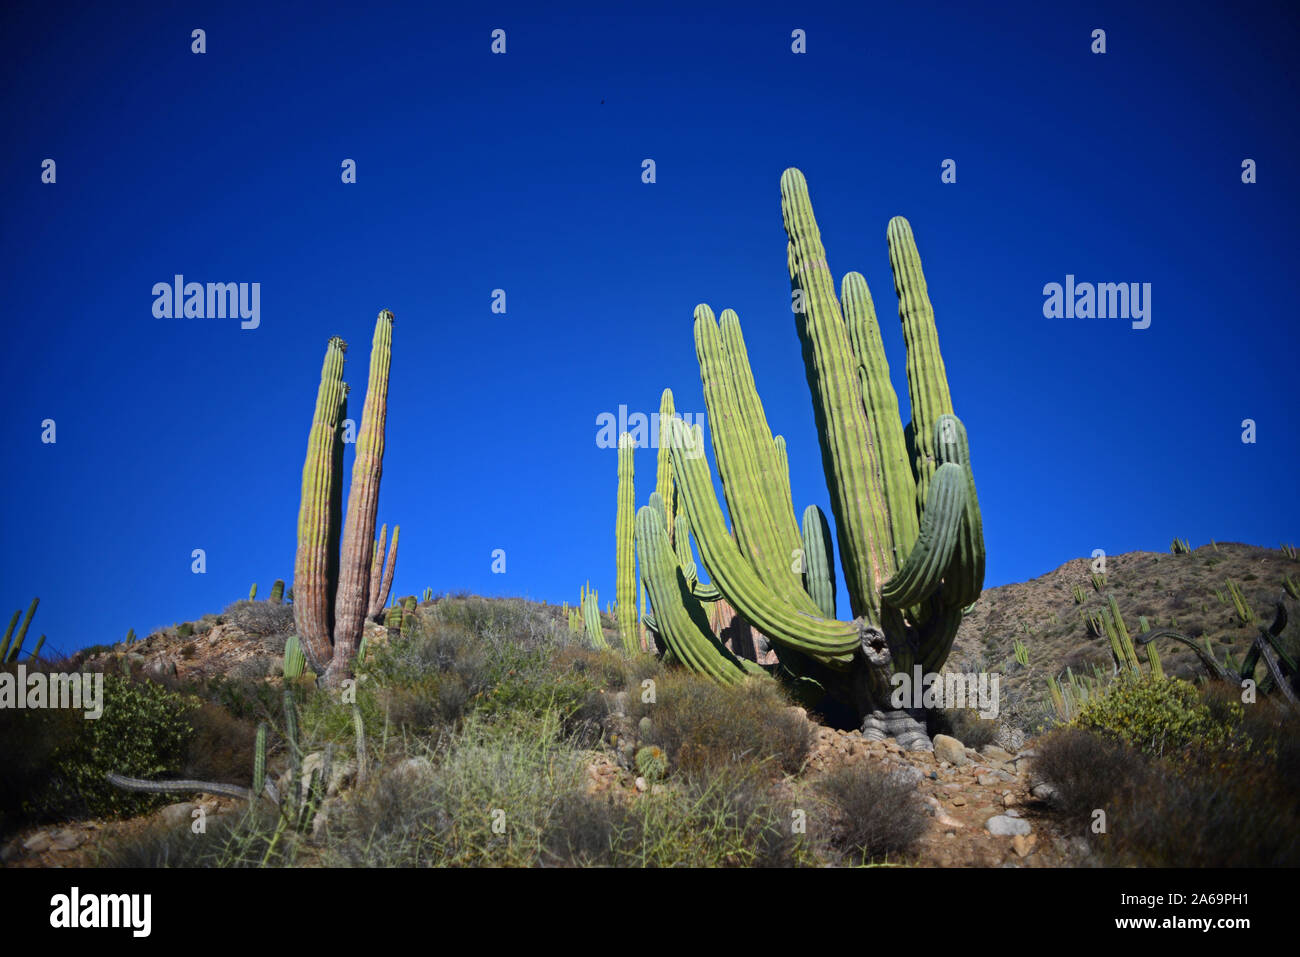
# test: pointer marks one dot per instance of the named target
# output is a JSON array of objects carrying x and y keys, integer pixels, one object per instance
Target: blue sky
[{"x": 478, "y": 171}]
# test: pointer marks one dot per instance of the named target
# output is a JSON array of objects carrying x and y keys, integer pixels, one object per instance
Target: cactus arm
[
  {"x": 376, "y": 572},
  {"x": 818, "y": 562},
  {"x": 679, "y": 619},
  {"x": 849, "y": 459},
  {"x": 927, "y": 380},
  {"x": 178, "y": 787},
  {"x": 625, "y": 549},
  {"x": 16, "y": 648},
  {"x": 945, "y": 509},
  {"x": 313, "y": 597},
  {"x": 880, "y": 402},
  {"x": 363, "y": 502},
  {"x": 746, "y": 457},
  {"x": 591, "y": 619},
  {"x": 9, "y": 633},
  {"x": 830, "y": 642},
  {"x": 389, "y": 568},
  {"x": 664, "y": 467}
]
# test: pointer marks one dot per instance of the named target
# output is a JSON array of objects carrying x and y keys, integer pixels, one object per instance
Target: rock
[
  {"x": 910, "y": 774},
  {"x": 949, "y": 749},
  {"x": 995, "y": 753},
  {"x": 1013, "y": 813},
  {"x": 987, "y": 780},
  {"x": 1009, "y": 800},
  {"x": 1003, "y": 825},
  {"x": 948, "y": 822},
  {"x": 9, "y": 852},
  {"x": 1044, "y": 792},
  {"x": 1023, "y": 845},
  {"x": 37, "y": 843},
  {"x": 342, "y": 773},
  {"x": 959, "y": 801},
  {"x": 66, "y": 839},
  {"x": 174, "y": 815}
]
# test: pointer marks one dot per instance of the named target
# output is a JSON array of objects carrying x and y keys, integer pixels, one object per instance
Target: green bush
[
  {"x": 1162, "y": 717},
  {"x": 143, "y": 733}
]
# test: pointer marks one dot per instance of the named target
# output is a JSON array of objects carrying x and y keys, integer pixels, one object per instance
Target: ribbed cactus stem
[
  {"x": 849, "y": 459},
  {"x": 277, "y": 592},
  {"x": 16, "y": 648},
  {"x": 252, "y": 592},
  {"x": 9, "y": 634},
  {"x": 625, "y": 553},
  {"x": 313, "y": 584},
  {"x": 818, "y": 561},
  {"x": 927, "y": 380},
  {"x": 350, "y": 604},
  {"x": 664, "y": 465}
]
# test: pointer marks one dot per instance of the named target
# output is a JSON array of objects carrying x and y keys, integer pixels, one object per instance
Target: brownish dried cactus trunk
[{"x": 351, "y": 603}]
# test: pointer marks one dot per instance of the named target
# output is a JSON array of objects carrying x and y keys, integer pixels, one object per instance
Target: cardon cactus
[
  {"x": 277, "y": 591},
  {"x": 625, "y": 555},
  {"x": 12, "y": 645},
  {"x": 591, "y": 617},
  {"x": 903, "y": 498},
  {"x": 381, "y": 573},
  {"x": 333, "y": 581}
]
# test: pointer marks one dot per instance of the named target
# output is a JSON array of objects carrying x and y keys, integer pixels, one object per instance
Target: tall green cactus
[
  {"x": 591, "y": 618},
  {"x": 277, "y": 591},
  {"x": 664, "y": 465},
  {"x": 906, "y": 513},
  {"x": 625, "y": 555},
  {"x": 333, "y": 580},
  {"x": 9, "y": 651}
]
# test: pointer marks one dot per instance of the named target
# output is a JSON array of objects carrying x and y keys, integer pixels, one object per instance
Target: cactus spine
[
  {"x": 625, "y": 556},
  {"x": 333, "y": 585}
]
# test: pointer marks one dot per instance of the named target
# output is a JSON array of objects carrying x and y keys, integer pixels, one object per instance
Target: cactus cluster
[
  {"x": 903, "y": 497},
  {"x": 1245, "y": 614},
  {"x": 12, "y": 645},
  {"x": 1180, "y": 547},
  {"x": 333, "y": 580}
]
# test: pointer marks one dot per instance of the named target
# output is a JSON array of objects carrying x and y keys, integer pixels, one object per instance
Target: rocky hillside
[{"x": 1187, "y": 592}]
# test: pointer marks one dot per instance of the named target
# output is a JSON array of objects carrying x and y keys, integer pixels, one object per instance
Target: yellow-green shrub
[{"x": 1160, "y": 716}]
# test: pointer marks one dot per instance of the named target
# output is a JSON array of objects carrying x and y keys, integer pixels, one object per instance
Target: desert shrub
[
  {"x": 726, "y": 818},
  {"x": 143, "y": 732},
  {"x": 704, "y": 726},
  {"x": 238, "y": 839},
  {"x": 1084, "y": 767},
  {"x": 874, "y": 815},
  {"x": 966, "y": 726},
  {"x": 261, "y": 618},
  {"x": 29, "y": 741},
  {"x": 221, "y": 748},
  {"x": 1159, "y": 717}
]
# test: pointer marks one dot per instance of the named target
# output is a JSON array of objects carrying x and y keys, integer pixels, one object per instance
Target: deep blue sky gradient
[{"x": 478, "y": 171}]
